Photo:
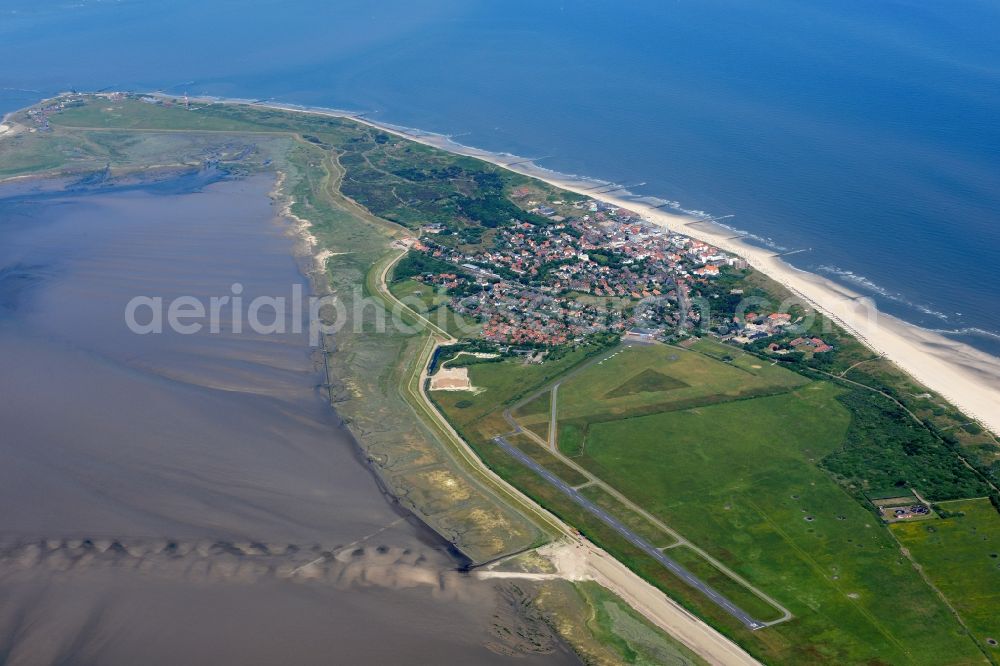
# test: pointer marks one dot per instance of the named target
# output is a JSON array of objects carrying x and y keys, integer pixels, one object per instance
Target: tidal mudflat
[{"x": 194, "y": 498}]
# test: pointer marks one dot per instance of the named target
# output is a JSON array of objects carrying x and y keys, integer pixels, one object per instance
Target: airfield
[{"x": 699, "y": 467}]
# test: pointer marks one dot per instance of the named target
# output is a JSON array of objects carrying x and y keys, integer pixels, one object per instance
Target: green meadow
[
  {"x": 654, "y": 378},
  {"x": 633, "y": 520},
  {"x": 502, "y": 384},
  {"x": 961, "y": 556},
  {"x": 735, "y": 591},
  {"x": 724, "y": 448},
  {"x": 737, "y": 475},
  {"x": 534, "y": 414},
  {"x": 433, "y": 305},
  {"x": 547, "y": 460}
]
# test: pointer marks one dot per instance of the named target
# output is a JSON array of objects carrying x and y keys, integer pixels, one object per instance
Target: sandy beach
[{"x": 967, "y": 377}]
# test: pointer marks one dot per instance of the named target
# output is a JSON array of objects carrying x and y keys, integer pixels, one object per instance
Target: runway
[{"x": 631, "y": 536}]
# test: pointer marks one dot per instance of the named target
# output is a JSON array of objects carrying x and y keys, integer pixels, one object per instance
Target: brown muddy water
[{"x": 173, "y": 498}]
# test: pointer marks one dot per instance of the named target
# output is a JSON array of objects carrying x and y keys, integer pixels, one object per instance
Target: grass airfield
[{"x": 724, "y": 448}]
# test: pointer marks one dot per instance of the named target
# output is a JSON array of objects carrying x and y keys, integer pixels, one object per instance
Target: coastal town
[{"x": 574, "y": 269}]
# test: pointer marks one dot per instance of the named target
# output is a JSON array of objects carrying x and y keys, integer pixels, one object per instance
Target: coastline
[
  {"x": 686, "y": 224},
  {"x": 963, "y": 375}
]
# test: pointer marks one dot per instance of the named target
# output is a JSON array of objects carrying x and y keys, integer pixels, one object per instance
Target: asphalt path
[{"x": 630, "y": 536}]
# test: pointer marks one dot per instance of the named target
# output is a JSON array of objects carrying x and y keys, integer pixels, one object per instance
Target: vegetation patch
[
  {"x": 534, "y": 414},
  {"x": 585, "y": 396},
  {"x": 741, "y": 480},
  {"x": 961, "y": 556},
  {"x": 547, "y": 460},
  {"x": 419, "y": 263},
  {"x": 735, "y": 591},
  {"x": 507, "y": 382},
  {"x": 572, "y": 437},
  {"x": 603, "y": 629},
  {"x": 633, "y": 520},
  {"x": 885, "y": 448}
]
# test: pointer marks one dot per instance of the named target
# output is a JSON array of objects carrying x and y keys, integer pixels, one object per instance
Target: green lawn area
[
  {"x": 643, "y": 379},
  {"x": 417, "y": 295},
  {"x": 733, "y": 590},
  {"x": 739, "y": 479},
  {"x": 547, "y": 460},
  {"x": 133, "y": 114},
  {"x": 647, "y": 381},
  {"x": 534, "y": 414},
  {"x": 633, "y": 520},
  {"x": 503, "y": 384},
  {"x": 961, "y": 556},
  {"x": 570, "y": 438},
  {"x": 425, "y": 300},
  {"x": 737, "y": 475}
]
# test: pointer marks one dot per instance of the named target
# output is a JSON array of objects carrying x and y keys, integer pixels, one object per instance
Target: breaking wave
[
  {"x": 872, "y": 287},
  {"x": 971, "y": 331},
  {"x": 769, "y": 243}
]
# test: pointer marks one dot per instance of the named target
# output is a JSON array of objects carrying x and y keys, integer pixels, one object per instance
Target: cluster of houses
[
  {"x": 583, "y": 273},
  {"x": 754, "y": 327},
  {"x": 38, "y": 117}
]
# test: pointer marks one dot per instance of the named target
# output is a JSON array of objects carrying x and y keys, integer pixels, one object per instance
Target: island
[{"x": 681, "y": 457}]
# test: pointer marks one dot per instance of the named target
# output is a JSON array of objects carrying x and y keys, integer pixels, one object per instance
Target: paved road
[{"x": 630, "y": 536}]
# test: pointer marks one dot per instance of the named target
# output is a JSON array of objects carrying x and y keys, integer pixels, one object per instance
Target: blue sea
[{"x": 865, "y": 133}]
